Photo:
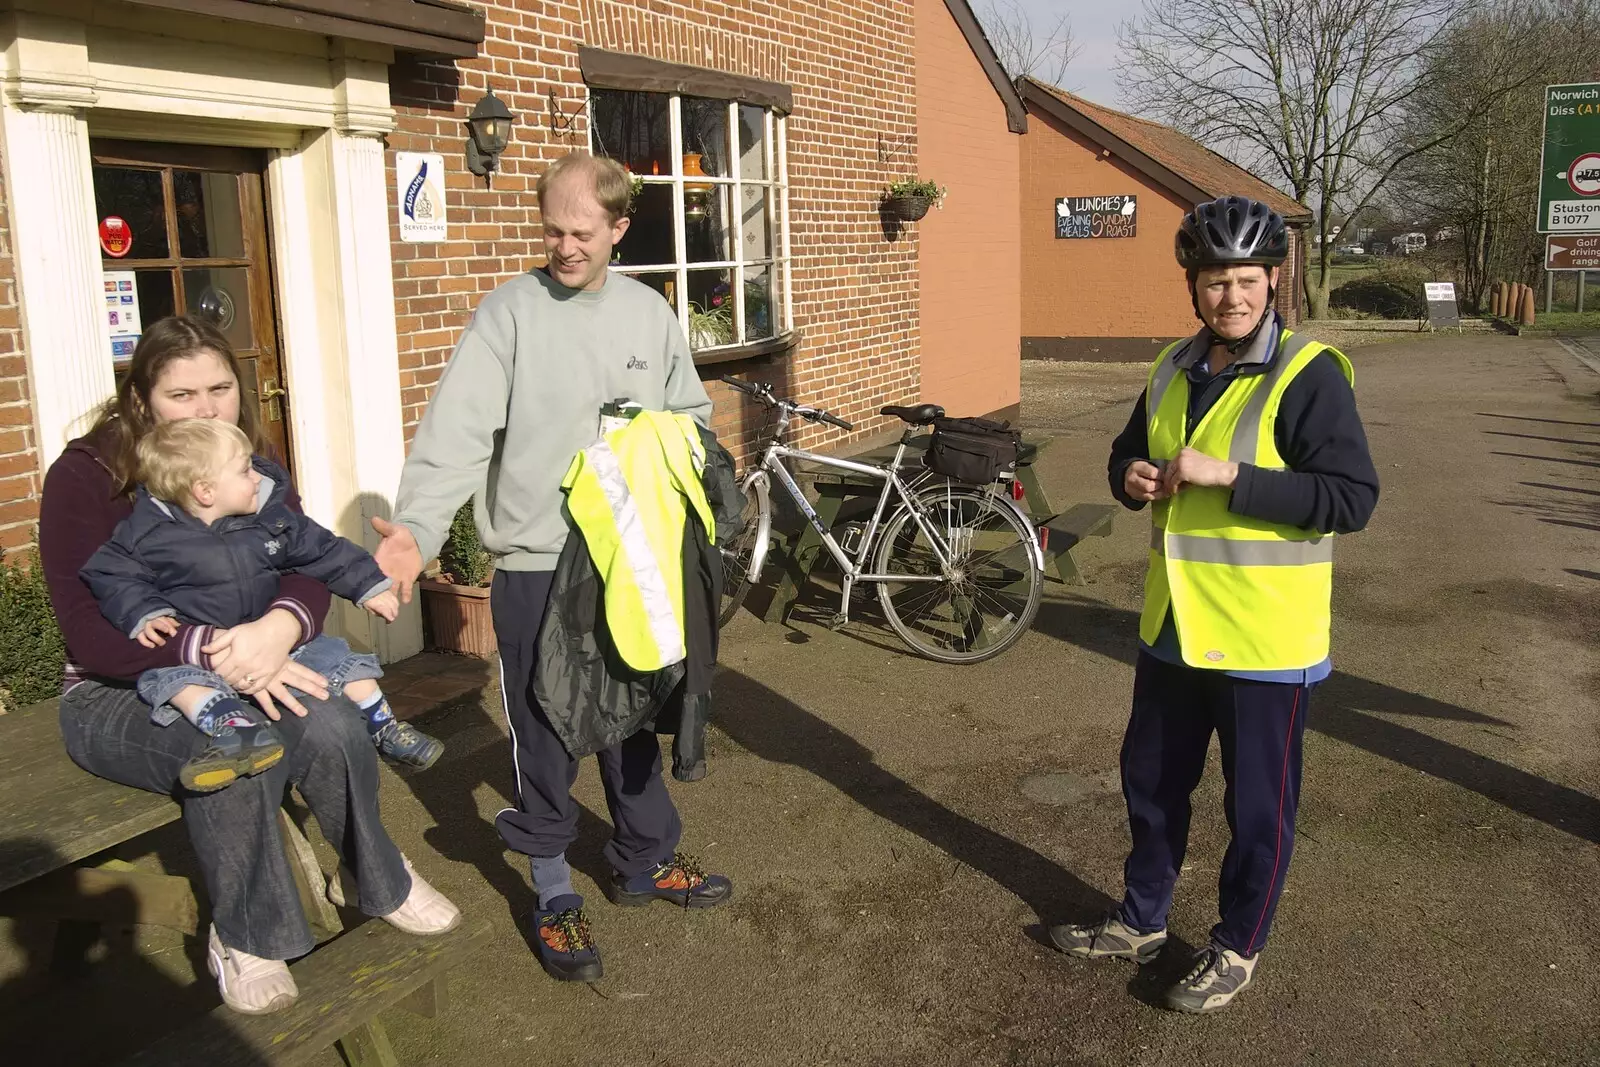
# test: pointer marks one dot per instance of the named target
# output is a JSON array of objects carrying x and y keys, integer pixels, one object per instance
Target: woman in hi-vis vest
[{"x": 1248, "y": 447}]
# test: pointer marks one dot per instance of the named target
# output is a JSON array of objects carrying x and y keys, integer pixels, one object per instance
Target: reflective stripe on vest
[
  {"x": 1245, "y": 594},
  {"x": 629, "y": 494}
]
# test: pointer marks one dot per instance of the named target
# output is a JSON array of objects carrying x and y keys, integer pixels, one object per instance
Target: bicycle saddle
[{"x": 920, "y": 415}]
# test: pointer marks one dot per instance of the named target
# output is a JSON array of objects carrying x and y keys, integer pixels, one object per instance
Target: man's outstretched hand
[{"x": 398, "y": 556}]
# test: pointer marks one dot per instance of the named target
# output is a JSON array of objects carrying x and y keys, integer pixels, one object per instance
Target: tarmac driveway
[{"x": 896, "y": 828}]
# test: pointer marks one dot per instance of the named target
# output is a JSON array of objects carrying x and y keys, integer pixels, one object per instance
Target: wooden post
[
  {"x": 1497, "y": 299},
  {"x": 1526, "y": 315}
]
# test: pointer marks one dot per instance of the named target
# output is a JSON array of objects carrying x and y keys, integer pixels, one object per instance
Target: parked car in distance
[{"x": 1351, "y": 250}]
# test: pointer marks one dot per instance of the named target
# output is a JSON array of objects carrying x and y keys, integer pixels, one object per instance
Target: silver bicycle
[{"x": 958, "y": 568}]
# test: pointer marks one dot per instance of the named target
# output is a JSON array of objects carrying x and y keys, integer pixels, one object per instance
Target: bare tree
[
  {"x": 1483, "y": 183},
  {"x": 1311, "y": 92},
  {"x": 1023, "y": 52}
]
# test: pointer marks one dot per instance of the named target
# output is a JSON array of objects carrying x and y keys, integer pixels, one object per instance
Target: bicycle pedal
[{"x": 837, "y": 620}]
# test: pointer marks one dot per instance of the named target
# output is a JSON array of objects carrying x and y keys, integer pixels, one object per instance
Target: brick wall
[
  {"x": 19, "y": 458},
  {"x": 1096, "y": 288},
  {"x": 851, "y": 68},
  {"x": 971, "y": 273}
]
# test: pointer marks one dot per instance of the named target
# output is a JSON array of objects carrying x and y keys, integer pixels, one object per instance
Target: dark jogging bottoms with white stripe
[
  {"x": 1260, "y": 726},
  {"x": 545, "y": 820}
]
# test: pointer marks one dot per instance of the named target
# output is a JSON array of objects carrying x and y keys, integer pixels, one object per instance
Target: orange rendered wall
[
  {"x": 1126, "y": 287},
  {"x": 971, "y": 300}
]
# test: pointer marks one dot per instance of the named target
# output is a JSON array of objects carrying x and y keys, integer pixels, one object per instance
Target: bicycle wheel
[
  {"x": 740, "y": 568},
  {"x": 992, "y": 594}
]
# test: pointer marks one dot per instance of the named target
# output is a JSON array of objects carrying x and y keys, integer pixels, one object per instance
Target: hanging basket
[{"x": 908, "y": 208}]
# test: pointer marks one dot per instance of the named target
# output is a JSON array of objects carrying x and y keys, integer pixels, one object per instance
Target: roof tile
[{"x": 1180, "y": 154}]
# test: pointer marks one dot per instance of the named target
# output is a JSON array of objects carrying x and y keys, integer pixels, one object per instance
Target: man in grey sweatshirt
[{"x": 521, "y": 396}]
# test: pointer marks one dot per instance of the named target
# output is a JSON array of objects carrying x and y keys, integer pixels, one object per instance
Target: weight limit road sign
[
  {"x": 1569, "y": 180},
  {"x": 1571, "y": 251}
]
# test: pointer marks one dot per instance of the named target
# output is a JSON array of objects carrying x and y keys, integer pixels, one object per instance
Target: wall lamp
[{"x": 490, "y": 129}]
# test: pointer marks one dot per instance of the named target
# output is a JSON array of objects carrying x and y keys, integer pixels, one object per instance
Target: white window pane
[
  {"x": 710, "y": 308},
  {"x": 649, "y": 236},
  {"x": 632, "y": 128},
  {"x": 755, "y": 229},
  {"x": 705, "y": 221},
  {"x": 752, "y": 143},
  {"x": 705, "y": 134},
  {"x": 759, "y": 320}
]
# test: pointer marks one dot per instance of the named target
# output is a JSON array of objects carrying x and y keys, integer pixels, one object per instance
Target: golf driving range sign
[{"x": 1569, "y": 174}]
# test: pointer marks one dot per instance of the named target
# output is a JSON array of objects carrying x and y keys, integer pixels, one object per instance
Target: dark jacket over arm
[{"x": 1331, "y": 485}]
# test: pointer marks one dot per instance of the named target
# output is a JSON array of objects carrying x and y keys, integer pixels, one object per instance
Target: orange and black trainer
[
  {"x": 566, "y": 946},
  {"x": 680, "y": 880}
]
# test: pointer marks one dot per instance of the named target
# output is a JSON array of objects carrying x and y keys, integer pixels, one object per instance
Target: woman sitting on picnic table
[{"x": 183, "y": 368}]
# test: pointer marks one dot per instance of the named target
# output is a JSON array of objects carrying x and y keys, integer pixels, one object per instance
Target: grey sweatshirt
[{"x": 521, "y": 397}]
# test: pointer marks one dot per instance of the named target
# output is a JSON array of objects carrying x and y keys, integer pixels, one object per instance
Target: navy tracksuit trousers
[
  {"x": 1260, "y": 726},
  {"x": 545, "y": 820}
]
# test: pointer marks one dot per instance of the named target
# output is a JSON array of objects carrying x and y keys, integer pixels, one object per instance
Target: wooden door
[{"x": 195, "y": 242}]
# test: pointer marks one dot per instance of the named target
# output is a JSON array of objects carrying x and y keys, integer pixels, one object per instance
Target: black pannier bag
[{"x": 975, "y": 451}]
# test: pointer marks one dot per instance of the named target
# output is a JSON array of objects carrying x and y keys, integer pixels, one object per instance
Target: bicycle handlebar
[{"x": 763, "y": 393}]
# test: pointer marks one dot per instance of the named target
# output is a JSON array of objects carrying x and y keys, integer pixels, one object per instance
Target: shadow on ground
[
  {"x": 79, "y": 990},
  {"x": 774, "y": 728},
  {"x": 1352, "y": 710}
]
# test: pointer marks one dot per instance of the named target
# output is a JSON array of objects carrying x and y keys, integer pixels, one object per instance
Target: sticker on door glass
[
  {"x": 115, "y": 236},
  {"x": 123, "y": 324},
  {"x": 419, "y": 194}
]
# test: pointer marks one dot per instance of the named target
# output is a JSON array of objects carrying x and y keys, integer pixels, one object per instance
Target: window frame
[{"x": 778, "y": 261}]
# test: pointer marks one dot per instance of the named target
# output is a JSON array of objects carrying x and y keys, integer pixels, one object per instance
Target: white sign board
[
  {"x": 1441, "y": 298},
  {"x": 122, "y": 314},
  {"x": 419, "y": 195}
]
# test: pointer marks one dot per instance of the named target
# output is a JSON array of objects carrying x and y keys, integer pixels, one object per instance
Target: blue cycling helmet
[{"x": 1232, "y": 231}]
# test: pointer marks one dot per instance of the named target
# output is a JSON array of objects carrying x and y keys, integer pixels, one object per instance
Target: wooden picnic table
[
  {"x": 56, "y": 815},
  {"x": 1060, "y": 532}
]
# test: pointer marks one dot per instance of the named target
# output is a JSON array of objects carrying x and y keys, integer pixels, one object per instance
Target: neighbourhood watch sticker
[{"x": 419, "y": 194}]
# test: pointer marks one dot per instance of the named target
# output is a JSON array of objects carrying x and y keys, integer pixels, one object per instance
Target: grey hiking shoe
[
  {"x": 1110, "y": 938},
  {"x": 400, "y": 742},
  {"x": 1215, "y": 979}
]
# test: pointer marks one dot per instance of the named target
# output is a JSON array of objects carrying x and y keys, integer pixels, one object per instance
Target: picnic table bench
[
  {"x": 1059, "y": 532},
  {"x": 57, "y": 815}
]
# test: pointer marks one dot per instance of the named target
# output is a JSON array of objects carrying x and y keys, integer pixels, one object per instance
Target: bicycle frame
[{"x": 854, "y": 570}]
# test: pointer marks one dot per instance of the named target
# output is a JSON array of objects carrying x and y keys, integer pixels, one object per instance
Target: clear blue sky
[{"x": 1094, "y": 24}]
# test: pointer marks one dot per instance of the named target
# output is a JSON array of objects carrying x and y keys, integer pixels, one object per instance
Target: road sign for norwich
[{"x": 1569, "y": 178}]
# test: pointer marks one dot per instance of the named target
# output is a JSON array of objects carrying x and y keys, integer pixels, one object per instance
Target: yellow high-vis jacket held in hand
[{"x": 629, "y": 495}]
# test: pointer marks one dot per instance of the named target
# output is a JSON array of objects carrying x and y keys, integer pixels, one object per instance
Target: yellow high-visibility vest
[
  {"x": 1245, "y": 594},
  {"x": 629, "y": 494}
]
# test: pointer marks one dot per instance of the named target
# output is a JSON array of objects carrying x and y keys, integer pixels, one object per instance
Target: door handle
[{"x": 270, "y": 390}]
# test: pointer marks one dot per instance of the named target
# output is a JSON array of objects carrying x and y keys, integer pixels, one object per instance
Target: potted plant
[
  {"x": 456, "y": 604},
  {"x": 910, "y": 199},
  {"x": 708, "y": 329}
]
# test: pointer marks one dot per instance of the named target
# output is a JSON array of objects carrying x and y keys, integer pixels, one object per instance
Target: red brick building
[
  {"x": 297, "y": 170},
  {"x": 1102, "y": 283}
]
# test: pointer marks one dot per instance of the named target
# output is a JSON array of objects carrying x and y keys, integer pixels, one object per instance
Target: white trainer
[
  {"x": 424, "y": 911},
  {"x": 249, "y": 984}
]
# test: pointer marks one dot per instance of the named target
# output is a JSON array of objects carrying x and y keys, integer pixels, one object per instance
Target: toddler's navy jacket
[{"x": 163, "y": 561}]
